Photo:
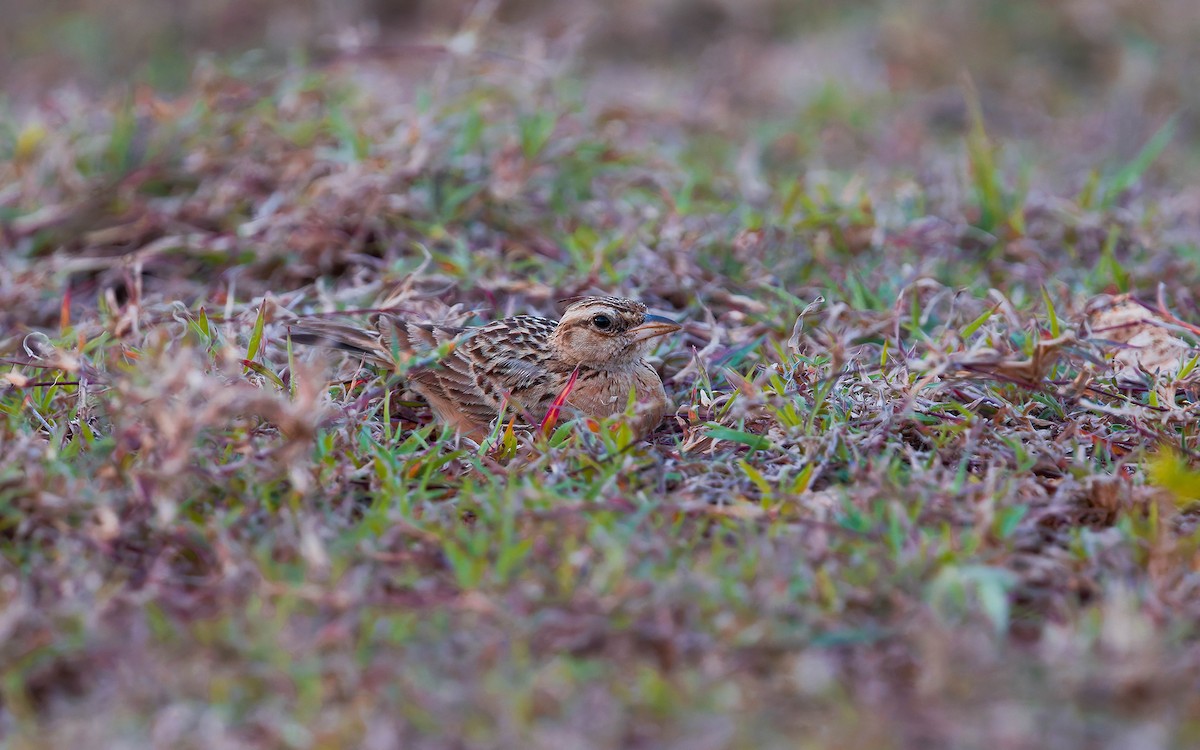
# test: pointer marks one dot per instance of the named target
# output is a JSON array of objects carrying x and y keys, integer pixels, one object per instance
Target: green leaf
[
  {"x": 974, "y": 325},
  {"x": 1055, "y": 329},
  {"x": 256, "y": 335},
  {"x": 203, "y": 323},
  {"x": 1188, "y": 367},
  {"x": 957, "y": 587},
  {"x": 454, "y": 199},
  {"x": 1127, "y": 176},
  {"x": 992, "y": 590},
  {"x": 803, "y": 479},
  {"x": 757, "y": 478},
  {"x": 1108, "y": 259},
  {"x": 261, "y": 370},
  {"x": 721, "y": 432},
  {"x": 536, "y": 130},
  {"x": 120, "y": 156},
  {"x": 1007, "y": 520}
]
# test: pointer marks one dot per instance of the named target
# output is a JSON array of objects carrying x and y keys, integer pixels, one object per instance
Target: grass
[{"x": 906, "y": 500}]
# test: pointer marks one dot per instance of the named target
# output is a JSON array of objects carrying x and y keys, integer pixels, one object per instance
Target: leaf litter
[{"x": 924, "y": 482}]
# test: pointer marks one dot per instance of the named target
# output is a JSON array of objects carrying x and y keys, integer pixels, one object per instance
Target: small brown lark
[{"x": 524, "y": 362}]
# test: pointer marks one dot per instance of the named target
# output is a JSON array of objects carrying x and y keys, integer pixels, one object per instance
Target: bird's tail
[
  {"x": 343, "y": 336},
  {"x": 397, "y": 344}
]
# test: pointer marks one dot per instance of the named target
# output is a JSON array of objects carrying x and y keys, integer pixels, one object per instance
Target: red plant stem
[{"x": 551, "y": 417}]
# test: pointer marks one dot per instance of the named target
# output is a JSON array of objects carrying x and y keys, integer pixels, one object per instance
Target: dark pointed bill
[{"x": 652, "y": 327}]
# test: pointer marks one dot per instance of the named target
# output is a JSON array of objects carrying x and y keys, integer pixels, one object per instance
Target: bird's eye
[{"x": 602, "y": 322}]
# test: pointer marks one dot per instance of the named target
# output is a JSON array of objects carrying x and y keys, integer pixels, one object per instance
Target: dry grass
[{"x": 917, "y": 492}]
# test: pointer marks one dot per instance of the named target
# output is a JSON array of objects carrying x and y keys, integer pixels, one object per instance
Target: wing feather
[{"x": 501, "y": 363}]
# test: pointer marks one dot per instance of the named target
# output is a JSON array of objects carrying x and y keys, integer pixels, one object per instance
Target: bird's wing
[
  {"x": 511, "y": 362},
  {"x": 448, "y": 379},
  {"x": 471, "y": 373},
  {"x": 406, "y": 339}
]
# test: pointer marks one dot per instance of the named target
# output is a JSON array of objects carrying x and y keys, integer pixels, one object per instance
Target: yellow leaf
[
  {"x": 740, "y": 507},
  {"x": 28, "y": 140},
  {"x": 1170, "y": 471}
]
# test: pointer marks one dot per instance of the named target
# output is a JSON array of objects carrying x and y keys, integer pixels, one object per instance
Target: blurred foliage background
[
  {"x": 1088, "y": 80},
  {"x": 1047, "y": 57}
]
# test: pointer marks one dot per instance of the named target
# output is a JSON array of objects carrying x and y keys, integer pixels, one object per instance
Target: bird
[{"x": 594, "y": 357}]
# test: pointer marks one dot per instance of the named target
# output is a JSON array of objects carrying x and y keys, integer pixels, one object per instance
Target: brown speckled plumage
[{"x": 520, "y": 363}]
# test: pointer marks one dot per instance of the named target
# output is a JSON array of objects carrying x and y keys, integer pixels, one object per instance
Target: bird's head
[{"x": 607, "y": 332}]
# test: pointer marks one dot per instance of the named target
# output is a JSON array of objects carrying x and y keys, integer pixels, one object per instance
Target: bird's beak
[{"x": 653, "y": 327}]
